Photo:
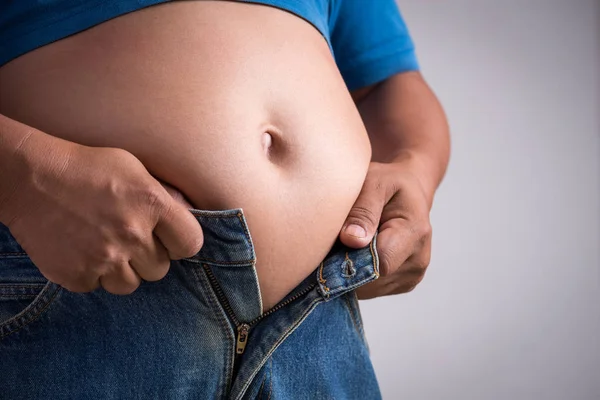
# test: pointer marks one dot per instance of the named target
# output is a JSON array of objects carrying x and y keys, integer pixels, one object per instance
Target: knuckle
[
  {"x": 419, "y": 266},
  {"x": 423, "y": 229},
  {"x": 108, "y": 254},
  {"x": 154, "y": 196},
  {"x": 132, "y": 234}
]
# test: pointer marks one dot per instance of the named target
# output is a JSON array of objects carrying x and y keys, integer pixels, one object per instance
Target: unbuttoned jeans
[{"x": 199, "y": 333}]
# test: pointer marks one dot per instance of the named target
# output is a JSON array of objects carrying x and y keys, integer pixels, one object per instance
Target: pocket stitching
[{"x": 32, "y": 312}]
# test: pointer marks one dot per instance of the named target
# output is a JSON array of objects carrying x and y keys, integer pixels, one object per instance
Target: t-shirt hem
[
  {"x": 371, "y": 70},
  {"x": 18, "y": 45}
]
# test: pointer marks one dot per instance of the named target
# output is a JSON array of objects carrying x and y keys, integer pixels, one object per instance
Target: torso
[{"x": 194, "y": 89}]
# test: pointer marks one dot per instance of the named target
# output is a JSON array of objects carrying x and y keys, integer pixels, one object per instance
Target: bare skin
[
  {"x": 224, "y": 113},
  {"x": 89, "y": 216}
]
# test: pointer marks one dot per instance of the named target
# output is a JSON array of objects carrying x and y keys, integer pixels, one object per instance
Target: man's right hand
[{"x": 94, "y": 216}]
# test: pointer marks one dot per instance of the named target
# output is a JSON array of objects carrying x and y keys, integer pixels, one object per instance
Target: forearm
[
  {"x": 406, "y": 124},
  {"x": 23, "y": 150}
]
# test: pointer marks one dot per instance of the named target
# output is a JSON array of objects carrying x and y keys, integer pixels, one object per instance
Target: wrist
[
  {"x": 27, "y": 155},
  {"x": 422, "y": 167}
]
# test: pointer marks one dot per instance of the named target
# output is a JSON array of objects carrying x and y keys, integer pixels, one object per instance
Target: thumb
[{"x": 363, "y": 219}]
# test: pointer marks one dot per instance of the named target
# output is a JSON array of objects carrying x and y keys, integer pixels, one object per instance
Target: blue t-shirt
[{"x": 368, "y": 38}]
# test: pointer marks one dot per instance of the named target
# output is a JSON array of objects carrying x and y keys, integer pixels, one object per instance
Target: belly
[{"x": 235, "y": 105}]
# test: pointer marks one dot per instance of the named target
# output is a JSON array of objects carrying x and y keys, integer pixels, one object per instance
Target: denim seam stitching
[
  {"x": 271, "y": 376},
  {"x": 225, "y": 263},
  {"x": 6, "y": 286},
  {"x": 287, "y": 333},
  {"x": 214, "y": 216},
  {"x": 352, "y": 316},
  {"x": 368, "y": 279},
  {"x": 374, "y": 257},
  {"x": 262, "y": 386},
  {"x": 214, "y": 302},
  {"x": 322, "y": 280},
  {"x": 21, "y": 321},
  {"x": 360, "y": 320},
  {"x": 239, "y": 215}
]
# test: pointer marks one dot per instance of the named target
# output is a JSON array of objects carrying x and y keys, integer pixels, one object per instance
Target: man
[{"x": 201, "y": 159}]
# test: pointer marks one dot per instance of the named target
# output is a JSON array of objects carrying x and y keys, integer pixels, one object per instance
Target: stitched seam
[
  {"x": 209, "y": 260},
  {"x": 343, "y": 289},
  {"x": 24, "y": 321},
  {"x": 213, "y": 216},
  {"x": 212, "y": 299},
  {"x": 262, "y": 386},
  {"x": 374, "y": 256},
  {"x": 291, "y": 330},
  {"x": 361, "y": 324},
  {"x": 322, "y": 280},
  {"x": 239, "y": 215},
  {"x": 21, "y": 285},
  {"x": 270, "y": 380},
  {"x": 352, "y": 316}
]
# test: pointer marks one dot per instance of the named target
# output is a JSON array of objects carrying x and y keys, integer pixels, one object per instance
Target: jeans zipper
[{"x": 243, "y": 328}]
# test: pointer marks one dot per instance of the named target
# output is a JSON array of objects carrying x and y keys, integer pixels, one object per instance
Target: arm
[
  {"x": 406, "y": 124},
  {"x": 11, "y": 139},
  {"x": 89, "y": 216},
  {"x": 410, "y": 140}
]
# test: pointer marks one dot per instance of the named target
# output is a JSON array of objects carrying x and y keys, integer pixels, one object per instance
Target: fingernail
[{"x": 356, "y": 231}]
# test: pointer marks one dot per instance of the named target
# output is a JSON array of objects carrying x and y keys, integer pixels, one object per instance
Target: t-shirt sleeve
[{"x": 370, "y": 41}]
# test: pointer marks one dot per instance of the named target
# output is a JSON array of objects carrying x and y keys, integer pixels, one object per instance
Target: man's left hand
[{"x": 394, "y": 201}]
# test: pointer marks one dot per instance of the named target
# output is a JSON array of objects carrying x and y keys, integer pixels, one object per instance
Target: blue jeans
[{"x": 199, "y": 333}]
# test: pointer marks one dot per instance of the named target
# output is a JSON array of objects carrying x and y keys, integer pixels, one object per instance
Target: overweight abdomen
[{"x": 230, "y": 114}]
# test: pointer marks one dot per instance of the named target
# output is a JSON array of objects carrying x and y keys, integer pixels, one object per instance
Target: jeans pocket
[{"x": 24, "y": 293}]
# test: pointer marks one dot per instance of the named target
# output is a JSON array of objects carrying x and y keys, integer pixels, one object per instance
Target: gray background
[{"x": 510, "y": 306}]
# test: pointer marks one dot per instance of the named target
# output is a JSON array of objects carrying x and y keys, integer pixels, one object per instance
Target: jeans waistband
[
  {"x": 228, "y": 246},
  {"x": 226, "y": 238}
]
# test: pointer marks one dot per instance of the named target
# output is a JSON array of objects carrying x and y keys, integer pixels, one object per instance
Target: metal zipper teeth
[
  {"x": 280, "y": 305},
  {"x": 229, "y": 310},
  {"x": 219, "y": 292}
]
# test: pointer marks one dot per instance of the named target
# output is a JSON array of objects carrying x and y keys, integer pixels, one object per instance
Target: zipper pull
[{"x": 242, "y": 338}]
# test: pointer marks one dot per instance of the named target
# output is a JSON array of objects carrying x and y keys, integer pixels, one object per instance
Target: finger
[
  {"x": 179, "y": 231},
  {"x": 404, "y": 280},
  {"x": 77, "y": 281},
  {"x": 152, "y": 262},
  {"x": 121, "y": 280},
  {"x": 363, "y": 219},
  {"x": 372, "y": 289},
  {"x": 395, "y": 244},
  {"x": 176, "y": 195}
]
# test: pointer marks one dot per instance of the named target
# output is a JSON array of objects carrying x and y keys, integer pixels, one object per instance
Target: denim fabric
[{"x": 199, "y": 333}]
